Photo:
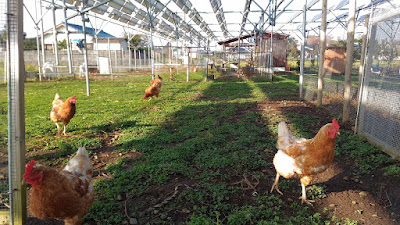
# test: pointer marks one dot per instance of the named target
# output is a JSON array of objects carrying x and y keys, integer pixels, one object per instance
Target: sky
[{"x": 232, "y": 11}]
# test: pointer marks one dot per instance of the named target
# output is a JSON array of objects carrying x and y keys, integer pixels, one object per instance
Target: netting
[{"x": 379, "y": 116}]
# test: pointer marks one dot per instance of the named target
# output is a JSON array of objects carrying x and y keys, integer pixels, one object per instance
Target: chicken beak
[
  {"x": 24, "y": 181},
  {"x": 338, "y": 133}
]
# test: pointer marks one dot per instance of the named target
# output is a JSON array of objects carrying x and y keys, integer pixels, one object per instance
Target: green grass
[{"x": 203, "y": 134}]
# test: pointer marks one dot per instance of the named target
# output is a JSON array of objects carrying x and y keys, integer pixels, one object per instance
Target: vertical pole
[
  {"x": 349, "y": 60},
  {"x": 144, "y": 58},
  {"x": 37, "y": 44},
  {"x": 271, "y": 57},
  {"x": 42, "y": 35},
  {"x": 55, "y": 32},
  {"x": 130, "y": 56},
  {"x": 134, "y": 55},
  {"x": 115, "y": 58},
  {"x": 188, "y": 66},
  {"x": 67, "y": 39},
  {"x": 169, "y": 53},
  {"x": 16, "y": 111},
  {"x": 322, "y": 45},
  {"x": 260, "y": 51},
  {"x": 207, "y": 57},
  {"x": 363, "y": 48},
  {"x": 152, "y": 51},
  {"x": 109, "y": 57},
  {"x": 140, "y": 60},
  {"x": 85, "y": 54},
  {"x": 177, "y": 55},
  {"x": 303, "y": 43},
  {"x": 238, "y": 54},
  {"x": 97, "y": 53}
]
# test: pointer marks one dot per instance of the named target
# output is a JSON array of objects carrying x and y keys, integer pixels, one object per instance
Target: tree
[
  {"x": 135, "y": 41},
  {"x": 30, "y": 44},
  {"x": 62, "y": 44},
  {"x": 291, "y": 48}
]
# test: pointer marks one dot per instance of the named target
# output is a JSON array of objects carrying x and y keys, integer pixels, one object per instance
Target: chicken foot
[
  {"x": 275, "y": 185},
  {"x": 304, "y": 197}
]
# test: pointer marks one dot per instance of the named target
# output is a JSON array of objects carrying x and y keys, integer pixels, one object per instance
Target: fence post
[
  {"x": 349, "y": 60},
  {"x": 322, "y": 44}
]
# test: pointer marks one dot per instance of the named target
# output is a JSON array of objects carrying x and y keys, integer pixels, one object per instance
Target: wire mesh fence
[{"x": 379, "y": 116}]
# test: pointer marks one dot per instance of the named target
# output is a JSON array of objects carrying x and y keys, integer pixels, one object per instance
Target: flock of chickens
[{"x": 296, "y": 158}]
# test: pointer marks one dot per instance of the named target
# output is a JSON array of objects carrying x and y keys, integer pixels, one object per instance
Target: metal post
[
  {"x": 169, "y": 53},
  {"x": 152, "y": 51},
  {"x": 349, "y": 60},
  {"x": 115, "y": 58},
  {"x": 42, "y": 36},
  {"x": 109, "y": 56},
  {"x": 16, "y": 111},
  {"x": 260, "y": 51},
  {"x": 188, "y": 67},
  {"x": 177, "y": 54},
  {"x": 303, "y": 43},
  {"x": 134, "y": 53},
  {"x": 321, "y": 71},
  {"x": 238, "y": 54},
  {"x": 271, "y": 57},
  {"x": 55, "y": 32},
  {"x": 140, "y": 60},
  {"x": 129, "y": 55},
  {"x": 85, "y": 55},
  {"x": 97, "y": 52},
  {"x": 67, "y": 39},
  {"x": 37, "y": 45},
  {"x": 363, "y": 48},
  {"x": 207, "y": 58}
]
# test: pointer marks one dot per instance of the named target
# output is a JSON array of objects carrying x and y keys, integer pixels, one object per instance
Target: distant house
[{"x": 76, "y": 37}]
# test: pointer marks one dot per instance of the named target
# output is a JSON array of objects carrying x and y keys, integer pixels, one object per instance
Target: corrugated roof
[{"x": 89, "y": 31}]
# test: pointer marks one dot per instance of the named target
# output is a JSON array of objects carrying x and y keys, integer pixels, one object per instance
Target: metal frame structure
[
  {"x": 154, "y": 17},
  {"x": 157, "y": 17}
]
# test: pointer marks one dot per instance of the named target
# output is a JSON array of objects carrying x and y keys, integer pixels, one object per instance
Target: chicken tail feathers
[
  {"x": 80, "y": 164},
  {"x": 82, "y": 151},
  {"x": 283, "y": 130},
  {"x": 57, "y": 96},
  {"x": 285, "y": 137}
]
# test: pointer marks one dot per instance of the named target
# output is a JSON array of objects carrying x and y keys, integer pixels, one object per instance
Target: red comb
[
  {"x": 29, "y": 166},
  {"x": 335, "y": 124}
]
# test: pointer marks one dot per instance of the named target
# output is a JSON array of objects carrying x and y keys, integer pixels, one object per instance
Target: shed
[
  {"x": 262, "y": 48},
  {"x": 335, "y": 60}
]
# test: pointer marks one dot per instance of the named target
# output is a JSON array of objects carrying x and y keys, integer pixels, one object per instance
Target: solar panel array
[{"x": 151, "y": 13}]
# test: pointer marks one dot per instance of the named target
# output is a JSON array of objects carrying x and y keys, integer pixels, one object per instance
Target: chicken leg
[
  {"x": 58, "y": 128},
  {"x": 65, "y": 130},
  {"x": 275, "y": 185},
  {"x": 304, "y": 182}
]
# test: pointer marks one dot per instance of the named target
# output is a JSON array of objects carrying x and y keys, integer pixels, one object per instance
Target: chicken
[
  {"x": 62, "y": 111},
  {"x": 301, "y": 158},
  {"x": 154, "y": 89},
  {"x": 66, "y": 195}
]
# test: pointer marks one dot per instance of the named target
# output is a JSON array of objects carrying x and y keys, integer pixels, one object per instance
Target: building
[
  {"x": 260, "y": 45},
  {"x": 104, "y": 40}
]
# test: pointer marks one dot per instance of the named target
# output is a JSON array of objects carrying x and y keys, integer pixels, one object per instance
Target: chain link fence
[{"x": 379, "y": 114}]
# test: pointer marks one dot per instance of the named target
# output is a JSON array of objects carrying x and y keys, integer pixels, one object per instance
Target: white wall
[
  {"x": 113, "y": 45},
  {"x": 48, "y": 39}
]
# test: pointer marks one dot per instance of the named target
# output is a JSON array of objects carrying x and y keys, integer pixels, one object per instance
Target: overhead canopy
[{"x": 198, "y": 21}]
